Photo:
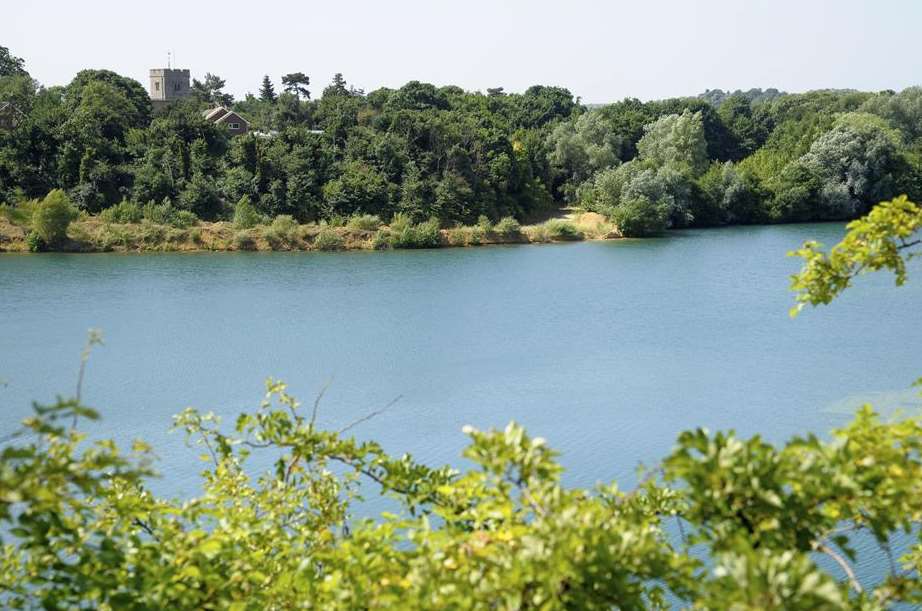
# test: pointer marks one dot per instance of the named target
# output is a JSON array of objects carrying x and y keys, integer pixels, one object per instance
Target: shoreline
[{"x": 90, "y": 234}]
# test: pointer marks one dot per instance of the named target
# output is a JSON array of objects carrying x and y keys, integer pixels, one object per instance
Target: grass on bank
[{"x": 129, "y": 227}]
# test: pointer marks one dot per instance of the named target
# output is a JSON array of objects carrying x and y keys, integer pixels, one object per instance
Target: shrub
[
  {"x": 123, "y": 212},
  {"x": 400, "y": 222},
  {"x": 245, "y": 214},
  {"x": 458, "y": 236},
  {"x": 158, "y": 213},
  {"x": 282, "y": 232},
  {"x": 508, "y": 227},
  {"x": 639, "y": 217},
  {"x": 484, "y": 223},
  {"x": 381, "y": 240},
  {"x": 364, "y": 222},
  {"x": 558, "y": 229},
  {"x": 284, "y": 223},
  {"x": 423, "y": 235},
  {"x": 21, "y": 213},
  {"x": 34, "y": 242},
  {"x": 328, "y": 239},
  {"x": 537, "y": 233},
  {"x": 244, "y": 241},
  {"x": 52, "y": 217},
  {"x": 183, "y": 219}
]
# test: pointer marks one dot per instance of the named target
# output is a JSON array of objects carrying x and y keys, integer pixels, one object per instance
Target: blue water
[{"x": 607, "y": 349}]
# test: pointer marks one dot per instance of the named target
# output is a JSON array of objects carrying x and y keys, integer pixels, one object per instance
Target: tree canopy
[{"x": 721, "y": 158}]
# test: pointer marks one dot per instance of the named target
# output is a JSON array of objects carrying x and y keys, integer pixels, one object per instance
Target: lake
[{"x": 607, "y": 349}]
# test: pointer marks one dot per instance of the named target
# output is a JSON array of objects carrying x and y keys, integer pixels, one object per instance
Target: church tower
[{"x": 168, "y": 85}]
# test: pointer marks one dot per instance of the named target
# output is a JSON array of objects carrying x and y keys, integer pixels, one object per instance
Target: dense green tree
[
  {"x": 11, "y": 65},
  {"x": 676, "y": 140},
  {"x": 359, "y": 189},
  {"x": 749, "y": 130},
  {"x": 578, "y": 149},
  {"x": 296, "y": 83},
  {"x": 728, "y": 196},
  {"x": 337, "y": 87},
  {"x": 210, "y": 91},
  {"x": 267, "y": 90},
  {"x": 903, "y": 111},
  {"x": 855, "y": 162}
]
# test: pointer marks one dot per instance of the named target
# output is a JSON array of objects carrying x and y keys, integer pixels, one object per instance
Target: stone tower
[{"x": 167, "y": 85}]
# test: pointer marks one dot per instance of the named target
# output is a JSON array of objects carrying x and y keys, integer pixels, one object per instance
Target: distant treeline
[{"x": 441, "y": 152}]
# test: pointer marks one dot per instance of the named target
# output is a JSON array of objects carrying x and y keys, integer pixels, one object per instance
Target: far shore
[{"x": 90, "y": 234}]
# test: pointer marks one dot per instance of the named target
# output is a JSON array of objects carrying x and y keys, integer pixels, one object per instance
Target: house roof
[
  {"x": 231, "y": 115},
  {"x": 214, "y": 113},
  {"x": 9, "y": 106}
]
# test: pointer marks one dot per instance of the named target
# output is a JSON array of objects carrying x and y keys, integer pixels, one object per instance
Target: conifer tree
[{"x": 267, "y": 90}]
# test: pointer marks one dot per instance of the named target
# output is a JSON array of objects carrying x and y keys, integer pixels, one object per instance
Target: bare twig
[
  {"x": 317, "y": 401},
  {"x": 146, "y": 528},
  {"x": 846, "y": 567},
  {"x": 369, "y": 416}
]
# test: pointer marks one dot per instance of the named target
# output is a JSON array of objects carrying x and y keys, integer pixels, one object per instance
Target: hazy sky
[{"x": 602, "y": 51}]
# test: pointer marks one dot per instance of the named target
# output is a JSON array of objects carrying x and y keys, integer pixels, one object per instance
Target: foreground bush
[
  {"x": 84, "y": 530},
  {"x": 52, "y": 217}
]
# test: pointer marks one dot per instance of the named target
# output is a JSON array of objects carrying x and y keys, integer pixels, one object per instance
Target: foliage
[
  {"x": 874, "y": 242},
  {"x": 123, "y": 212},
  {"x": 559, "y": 229},
  {"x": 34, "y": 242},
  {"x": 282, "y": 231},
  {"x": 267, "y": 90},
  {"x": 639, "y": 217},
  {"x": 84, "y": 529},
  {"x": 328, "y": 239},
  {"x": 10, "y": 65},
  {"x": 296, "y": 83},
  {"x": 364, "y": 222},
  {"x": 52, "y": 217},
  {"x": 429, "y": 151},
  {"x": 508, "y": 227},
  {"x": 676, "y": 139},
  {"x": 245, "y": 214},
  {"x": 403, "y": 234}
]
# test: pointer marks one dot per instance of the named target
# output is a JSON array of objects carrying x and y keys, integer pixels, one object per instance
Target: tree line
[{"x": 441, "y": 152}]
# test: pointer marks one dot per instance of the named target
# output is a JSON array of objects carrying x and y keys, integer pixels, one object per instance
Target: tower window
[
  {"x": 157, "y": 86},
  {"x": 177, "y": 86}
]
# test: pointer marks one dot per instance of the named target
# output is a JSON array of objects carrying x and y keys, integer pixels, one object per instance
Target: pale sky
[{"x": 601, "y": 51}]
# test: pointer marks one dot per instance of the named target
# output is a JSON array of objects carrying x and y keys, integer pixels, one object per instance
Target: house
[
  {"x": 168, "y": 85},
  {"x": 10, "y": 116},
  {"x": 236, "y": 125}
]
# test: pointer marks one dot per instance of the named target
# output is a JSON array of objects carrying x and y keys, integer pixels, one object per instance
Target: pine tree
[{"x": 267, "y": 90}]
